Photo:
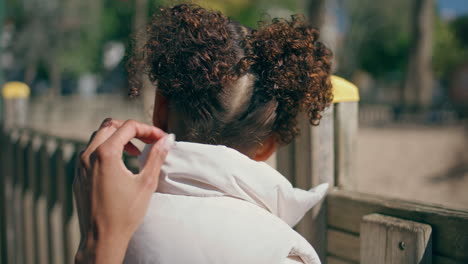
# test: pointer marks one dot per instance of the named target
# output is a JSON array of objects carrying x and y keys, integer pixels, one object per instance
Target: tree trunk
[
  {"x": 55, "y": 72},
  {"x": 419, "y": 84},
  {"x": 316, "y": 12},
  {"x": 2, "y": 14}
]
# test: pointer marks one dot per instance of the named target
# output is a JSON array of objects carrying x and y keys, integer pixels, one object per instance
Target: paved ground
[{"x": 428, "y": 164}]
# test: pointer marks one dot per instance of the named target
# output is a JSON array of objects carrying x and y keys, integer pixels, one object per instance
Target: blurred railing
[
  {"x": 384, "y": 114},
  {"x": 37, "y": 172}
]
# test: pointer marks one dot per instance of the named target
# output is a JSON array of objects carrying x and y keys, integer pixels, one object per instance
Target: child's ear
[
  {"x": 161, "y": 111},
  {"x": 266, "y": 149}
]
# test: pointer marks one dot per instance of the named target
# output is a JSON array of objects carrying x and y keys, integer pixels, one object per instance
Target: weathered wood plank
[
  {"x": 313, "y": 159},
  {"x": 346, "y": 126},
  {"x": 73, "y": 234},
  {"x": 42, "y": 234},
  {"x": 285, "y": 162},
  {"x": 42, "y": 216},
  {"x": 343, "y": 245},
  {"x": 8, "y": 234},
  {"x": 55, "y": 207},
  {"x": 335, "y": 260},
  {"x": 29, "y": 227},
  {"x": 35, "y": 181},
  {"x": 392, "y": 240},
  {"x": 71, "y": 225},
  {"x": 28, "y": 204},
  {"x": 56, "y": 234},
  {"x": 449, "y": 227},
  {"x": 3, "y": 165},
  {"x": 18, "y": 176},
  {"x": 322, "y": 172},
  {"x": 302, "y": 161}
]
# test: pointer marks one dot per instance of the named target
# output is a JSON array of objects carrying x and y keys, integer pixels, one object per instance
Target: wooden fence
[{"x": 38, "y": 220}]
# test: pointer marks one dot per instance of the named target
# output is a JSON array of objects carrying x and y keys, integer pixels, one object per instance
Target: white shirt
[{"x": 215, "y": 205}]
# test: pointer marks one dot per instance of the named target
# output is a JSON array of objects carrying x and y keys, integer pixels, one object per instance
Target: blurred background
[{"x": 409, "y": 59}]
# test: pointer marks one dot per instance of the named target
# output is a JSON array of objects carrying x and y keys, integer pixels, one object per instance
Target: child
[{"x": 232, "y": 96}]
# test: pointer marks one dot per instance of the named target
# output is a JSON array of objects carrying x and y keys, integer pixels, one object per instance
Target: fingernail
[
  {"x": 169, "y": 142},
  {"x": 106, "y": 122}
]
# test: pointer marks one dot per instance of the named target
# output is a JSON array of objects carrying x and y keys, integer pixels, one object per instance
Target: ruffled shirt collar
[{"x": 202, "y": 170}]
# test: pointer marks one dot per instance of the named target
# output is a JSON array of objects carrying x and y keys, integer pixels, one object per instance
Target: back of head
[{"x": 232, "y": 85}]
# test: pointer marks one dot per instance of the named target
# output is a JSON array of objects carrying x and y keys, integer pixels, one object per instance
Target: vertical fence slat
[
  {"x": 36, "y": 192},
  {"x": 4, "y": 141},
  {"x": 29, "y": 215},
  {"x": 314, "y": 164},
  {"x": 322, "y": 172},
  {"x": 20, "y": 183},
  {"x": 285, "y": 162},
  {"x": 346, "y": 126},
  {"x": 9, "y": 199},
  {"x": 71, "y": 222},
  {"x": 49, "y": 180},
  {"x": 15, "y": 202},
  {"x": 55, "y": 206},
  {"x": 62, "y": 192},
  {"x": 41, "y": 204},
  {"x": 302, "y": 167}
]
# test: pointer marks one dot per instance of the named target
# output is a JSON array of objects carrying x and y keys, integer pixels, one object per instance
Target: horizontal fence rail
[{"x": 346, "y": 210}]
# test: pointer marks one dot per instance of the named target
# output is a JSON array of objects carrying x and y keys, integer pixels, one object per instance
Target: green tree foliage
[
  {"x": 376, "y": 37},
  {"x": 450, "y": 46},
  {"x": 249, "y": 12},
  {"x": 460, "y": 25},
  {"x": 113, "y": 22},
  {"x": 71, "y": 34},
  {"x": 386, "y": 51}
]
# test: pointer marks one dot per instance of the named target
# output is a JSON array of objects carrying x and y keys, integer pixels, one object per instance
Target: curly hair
[{"x": 231, "y": 84}]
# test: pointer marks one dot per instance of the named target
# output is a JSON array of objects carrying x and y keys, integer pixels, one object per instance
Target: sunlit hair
[{"x": 230, "y": 84}]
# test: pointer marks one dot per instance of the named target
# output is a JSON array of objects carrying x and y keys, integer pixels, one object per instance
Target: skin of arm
[{"x": 111, "y": 201}]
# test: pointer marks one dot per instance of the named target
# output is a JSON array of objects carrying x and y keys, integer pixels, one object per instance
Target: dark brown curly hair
[{"x": 233, "y": 85}]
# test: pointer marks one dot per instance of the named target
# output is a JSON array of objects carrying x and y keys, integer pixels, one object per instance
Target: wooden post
[
  {"x": 285, "y": 162},
  {"x": 18, "y": 194},
  {"x": 49, "y": 177},
  {"x": 41, "y": 204},
  {"x": 8, "y": 188},
  {"x": 313, "y": 160},
  {"x": 71, "y": 225},
  {"x": 36, "y": 181},
  {"x": 29, "y": 215},
  {"x": 55, "y": 207},
  {"x": 323, "y": 154},
  {"x": 346, "y": 98},
  {"x": 322, "y": 172},
  {"x": 391, "y": 240},
  {"x": 62, "y": 192},
  {"x": 4, "y": 225},
  {"x": 16, "y": 98},
  {"x": 346, "y": 126},
  {"x": 17, "y": 198}
]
